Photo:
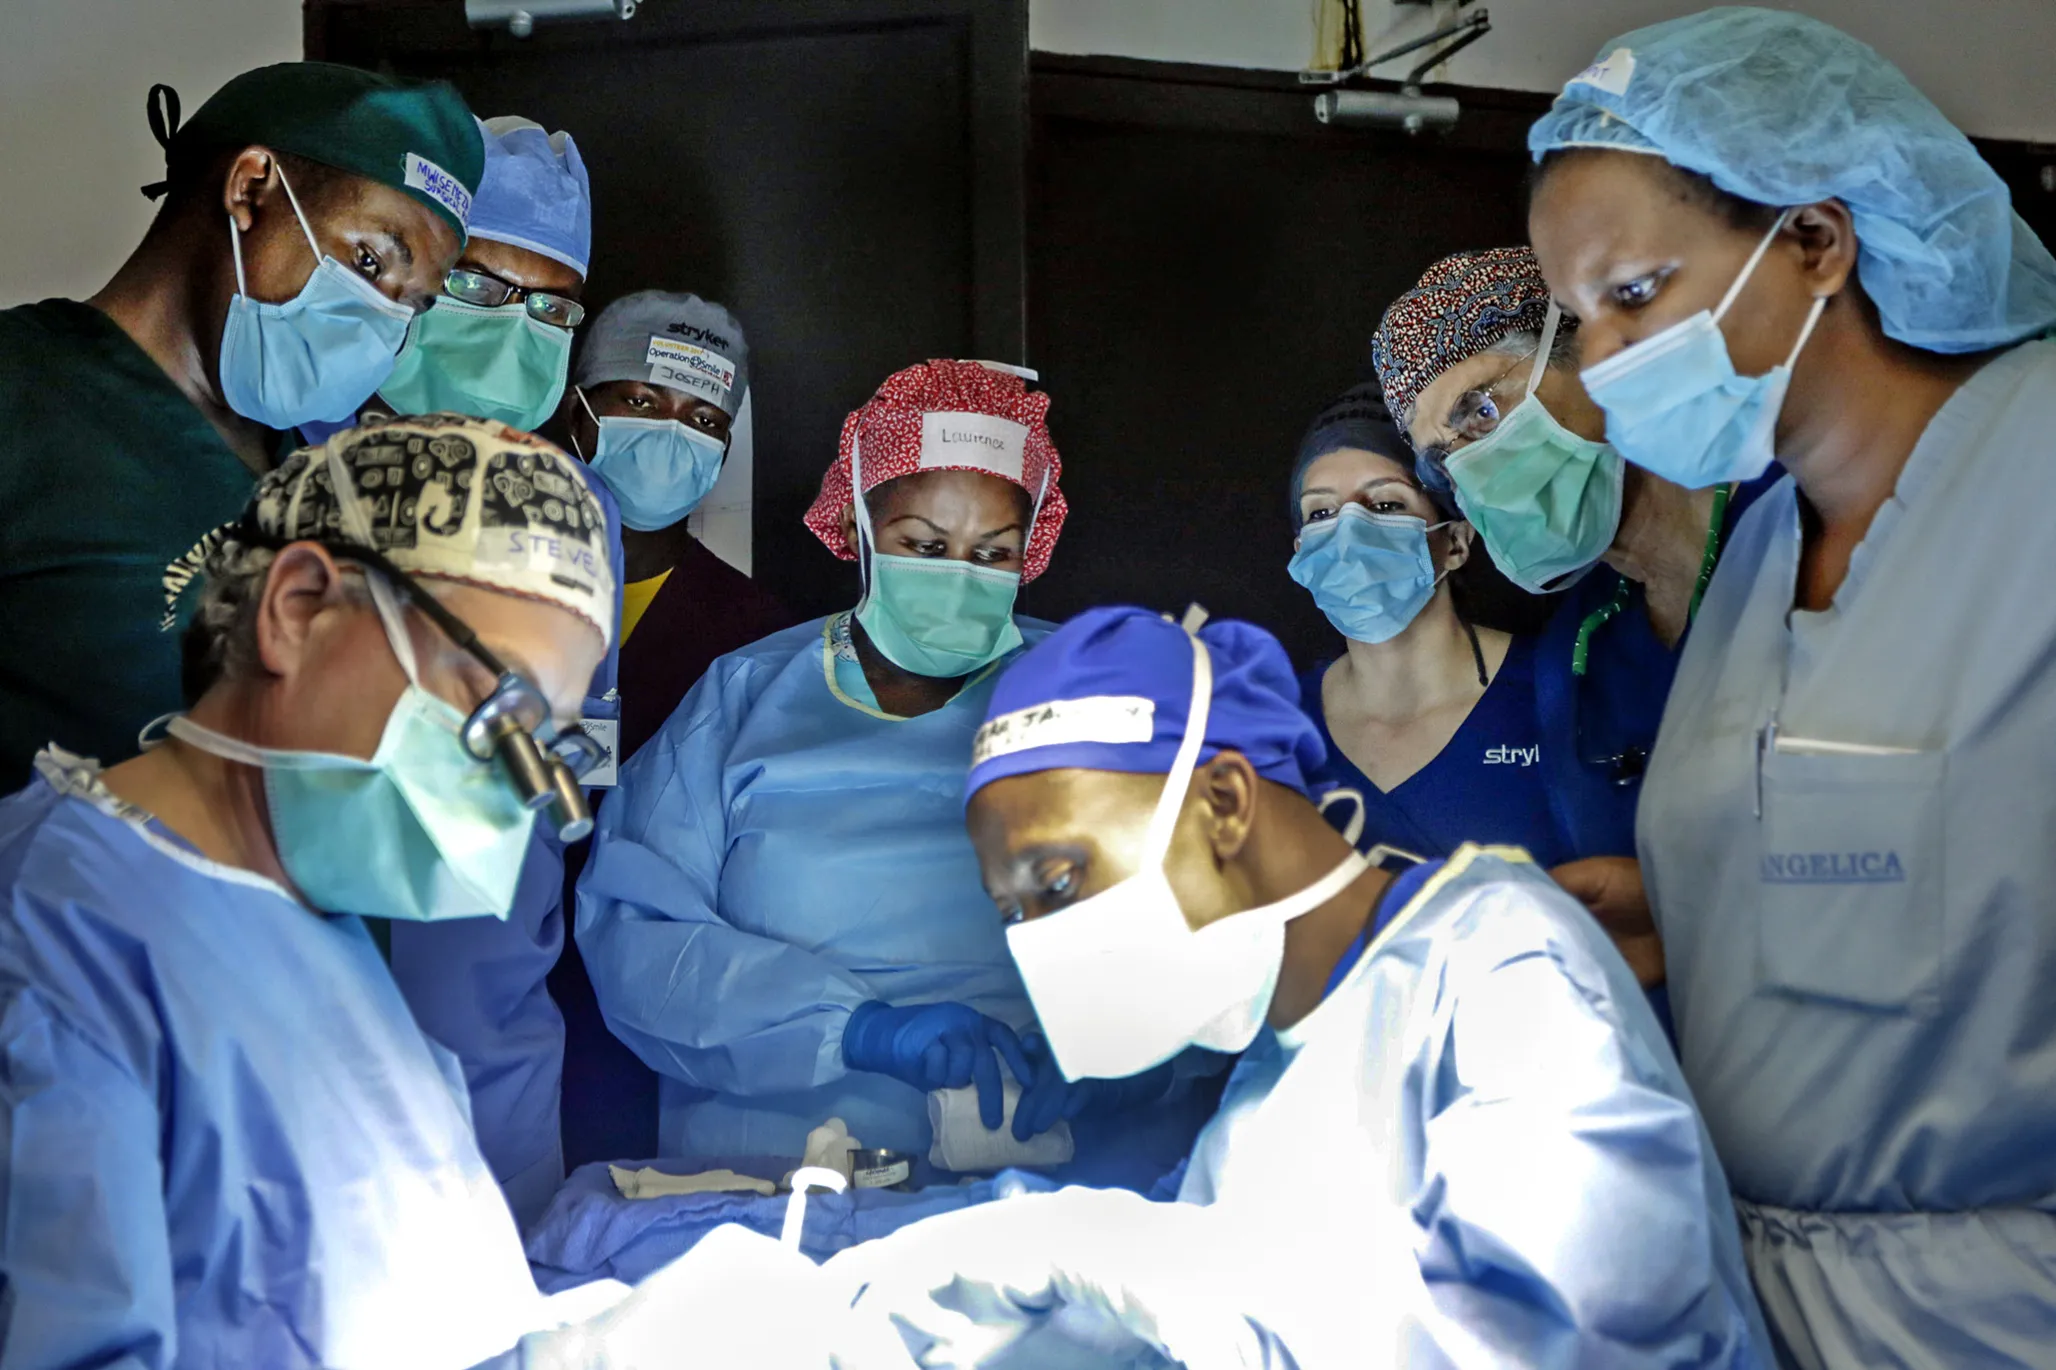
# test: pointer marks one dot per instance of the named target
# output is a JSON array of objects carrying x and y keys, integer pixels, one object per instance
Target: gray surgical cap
[
  {"x": 1784, "y": 110},
  {"x": 669, "y": 339}
]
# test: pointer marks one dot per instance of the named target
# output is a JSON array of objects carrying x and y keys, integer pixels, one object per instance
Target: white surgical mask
[{"x": 1121, "y": 982}]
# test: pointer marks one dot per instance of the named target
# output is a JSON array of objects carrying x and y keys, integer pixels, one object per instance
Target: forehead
[
  {"x": 1595, "y": 204},
  {"x": 1072, "y": 803},
  {"x": 519, "y": 266},
  {"x": 937, "y": 494},
  {"x": 1349, "y": 468},
  {"x": 364, "y": 203},
  {"x": 1429, "y": 420}
]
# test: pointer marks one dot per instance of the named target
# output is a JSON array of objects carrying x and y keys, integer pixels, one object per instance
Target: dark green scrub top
[{"x": 107, "y": 475}]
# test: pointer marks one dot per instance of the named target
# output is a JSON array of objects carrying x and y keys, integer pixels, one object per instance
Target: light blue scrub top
[
  {"x": 779, "y": 853},
  {"x": 1859, "y": 908},
  {"x": 227, "y": 1142}
]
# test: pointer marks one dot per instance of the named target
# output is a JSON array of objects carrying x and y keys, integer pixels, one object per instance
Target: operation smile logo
[{"x": 1832, "y": 868}]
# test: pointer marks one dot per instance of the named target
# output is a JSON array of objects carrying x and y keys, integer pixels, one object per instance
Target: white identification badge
[
  {"x": 1099, "y": 718},
  {"x": 1610, "y": 73},
  {"x": 983, "y": 441},
  {"x": 437, "y": 184},
  {"x": 690, "y": 367},
  {"x": 606, "y": 732}
]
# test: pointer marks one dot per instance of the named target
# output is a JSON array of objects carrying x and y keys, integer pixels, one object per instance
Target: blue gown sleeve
[
  {"x": 697, "y": 998},
  {"x": 85, "y": 1251},
  {"x": 479, "y": 987},
  {"x": 1562, "y": 1206}
]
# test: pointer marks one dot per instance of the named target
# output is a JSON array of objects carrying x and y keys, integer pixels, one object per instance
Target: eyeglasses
[
  {"x": 514, "y": 721},
  {"x": 490, "y": 292}
]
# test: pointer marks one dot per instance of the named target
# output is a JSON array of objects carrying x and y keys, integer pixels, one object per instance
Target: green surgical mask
[
  {"x": 938, "y": 617},
  {"x": 1546, "y": 501},
  {"x": 500, "y": 363}
]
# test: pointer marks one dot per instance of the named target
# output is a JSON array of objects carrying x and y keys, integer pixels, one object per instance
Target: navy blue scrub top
[
  {"x": 1488, "y": 784},
  {"x": 1597, "y": 731}
]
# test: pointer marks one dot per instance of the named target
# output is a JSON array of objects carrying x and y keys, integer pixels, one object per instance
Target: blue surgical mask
[
  {"x": 423, "y": 831},
  {"x": 1676, "y": 407},
  {"x": 317, "y": 357},
  {"x": 1371, "y": 574},
  {"x": 658, "y": 469}
]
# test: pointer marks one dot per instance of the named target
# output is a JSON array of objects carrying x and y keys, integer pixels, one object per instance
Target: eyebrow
[
  {"x": 1367, "y": 485},
  {"x": 1015, "y": 526}
]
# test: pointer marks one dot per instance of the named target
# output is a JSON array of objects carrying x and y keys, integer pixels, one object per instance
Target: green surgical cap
[{"x": 418, "y": 138}]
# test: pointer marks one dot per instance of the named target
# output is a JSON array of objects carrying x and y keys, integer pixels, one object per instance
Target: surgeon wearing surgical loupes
[
  {"x": 1845, "y": 826},
  {"x": 1456, "y": 1135},
  {"x": 780, "y": 912}
]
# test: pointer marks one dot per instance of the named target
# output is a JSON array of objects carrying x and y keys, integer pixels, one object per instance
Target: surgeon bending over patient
[
  {"x": 227, "y": 1142},
  {"x": 1457, "y": 1136}
]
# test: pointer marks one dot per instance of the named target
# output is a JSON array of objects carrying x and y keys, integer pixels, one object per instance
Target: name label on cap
[
  {"x": 438, "y": 185},
  {"x": 1610, "y": 73},
  {"x": 984, "y": 441},
  {"x": 1096, "y": 718},
  {"x": 686, "y": 366}
]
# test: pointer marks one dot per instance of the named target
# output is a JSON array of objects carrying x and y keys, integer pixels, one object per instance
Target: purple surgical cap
[{"x": 1110, "y": 690}]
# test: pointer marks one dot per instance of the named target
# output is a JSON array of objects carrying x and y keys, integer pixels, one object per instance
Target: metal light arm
[{"x": 519, "y": 17}]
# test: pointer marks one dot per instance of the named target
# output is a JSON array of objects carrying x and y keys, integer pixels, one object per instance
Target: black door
[{"x": 845, "y": 174}]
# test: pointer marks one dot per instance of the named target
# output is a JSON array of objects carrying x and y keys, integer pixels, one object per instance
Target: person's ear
[
  {"x": 303, "y": 583},
  {"x": 249, "y": 184},
  {"x": 1826, "y": 233},
  {"x": 1458, "y": 553},
  {"x": 1227, "y": 787},
  {"x": 849, "y": 529}
]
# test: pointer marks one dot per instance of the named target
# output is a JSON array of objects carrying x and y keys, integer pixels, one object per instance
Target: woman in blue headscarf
[{"x": 1779, "y": 250}]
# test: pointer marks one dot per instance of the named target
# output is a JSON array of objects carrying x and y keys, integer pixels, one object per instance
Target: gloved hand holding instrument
[{"x": 937, "y": 1046}]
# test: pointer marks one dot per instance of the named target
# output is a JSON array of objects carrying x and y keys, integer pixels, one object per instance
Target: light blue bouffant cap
[
  {"x": 1785, "y": 110},
  {"x": 534, "y": 193}
]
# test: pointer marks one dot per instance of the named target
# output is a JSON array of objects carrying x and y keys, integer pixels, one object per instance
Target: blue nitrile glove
[
  {"x": 1047, "y": 1097},
  {"x": 936, "y": 1046}
]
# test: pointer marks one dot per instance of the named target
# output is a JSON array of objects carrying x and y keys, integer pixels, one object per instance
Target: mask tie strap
[
  {"x": 865, "y": 550},
  {"x": 1820, "y": 303},
  {"x": 1749, "y": 267},
  {"x": 235, "y": 247},
  {"x": 1549, "y": 324},
  {"x": 586, "y": 404},
  {"x": 1164, "y": 822},
  {"x": 1356, "y": 824},
  {"x": 294, "y": 201}
]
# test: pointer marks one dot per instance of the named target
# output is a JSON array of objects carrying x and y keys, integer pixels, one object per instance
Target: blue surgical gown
[
  {"x": 779, "y": 853},
  {"x": 1858, "y": 905},
  {"x": 1477, "y": 1150},
  {"x": 228, "y": 1143},
  {"x": 1487, "y": 784}
]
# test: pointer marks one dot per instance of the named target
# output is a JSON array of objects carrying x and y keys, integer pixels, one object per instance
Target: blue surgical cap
[
  {"x": 1110, "y": 690},
  {"x": 535, "y": 194},
  {"x": 1358, "y": 418},
  {"x": 1785, "y": 110}
]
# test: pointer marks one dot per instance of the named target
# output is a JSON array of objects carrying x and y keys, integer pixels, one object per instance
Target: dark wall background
[
  {"x": 846, "y": 175},
  {"x": 1194, "y": 264},
  {"x": 1206, "y": 265}
]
